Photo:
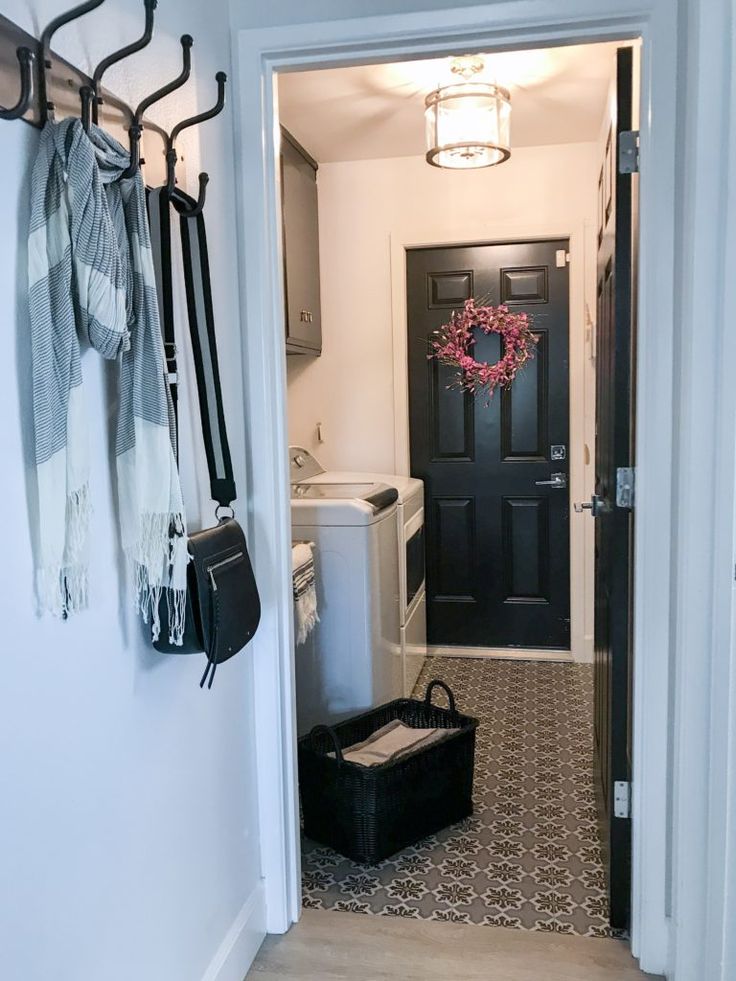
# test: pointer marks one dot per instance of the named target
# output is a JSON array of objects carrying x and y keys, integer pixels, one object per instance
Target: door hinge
[
  {"x": 622, "y": 799},
  {"x": 628, "y": 151},
  {"x": 625, "y": 484}
]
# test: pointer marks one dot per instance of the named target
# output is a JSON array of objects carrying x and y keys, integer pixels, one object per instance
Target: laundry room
[{"x": 445, "y": 226}]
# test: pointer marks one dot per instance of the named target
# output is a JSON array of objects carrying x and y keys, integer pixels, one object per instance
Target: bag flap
[{"x": 229, "y": 605}]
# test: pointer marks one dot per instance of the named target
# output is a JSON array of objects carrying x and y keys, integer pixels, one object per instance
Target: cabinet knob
[{"x": 306, "y": 317}]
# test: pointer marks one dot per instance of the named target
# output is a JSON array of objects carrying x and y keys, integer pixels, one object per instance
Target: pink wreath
[{"x": 454, "y": 341}]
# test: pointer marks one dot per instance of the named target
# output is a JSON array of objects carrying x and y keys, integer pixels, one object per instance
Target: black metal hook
[
  {"x": 171, "y": 155},
  {"x": 25, "y": 57},
  {"x": 47, "y": 108},
  {"x": 89, "y": 95},
  {"x": 198, "y": 208},
  {"x": 136, "y": 128}
]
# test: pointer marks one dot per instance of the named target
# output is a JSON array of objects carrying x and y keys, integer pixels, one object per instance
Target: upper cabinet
[{"x": 301, "y": 248}]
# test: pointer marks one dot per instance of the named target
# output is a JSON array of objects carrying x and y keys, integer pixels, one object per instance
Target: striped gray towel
[
  {"x": 305, "y": 590},
  {"x": 91, "y": 279}
]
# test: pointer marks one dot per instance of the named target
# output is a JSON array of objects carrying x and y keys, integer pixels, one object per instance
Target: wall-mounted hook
[
  {"x": 199, "y": 206},
  {"x": 25, "y": 57},
  {"x": 136, "y": 128},
  {"x": 90, "y": 106},
  {"x": 87, "y": 95},
  {"x": 171, "y": 156},
  {"x": 47, "y": 108}
]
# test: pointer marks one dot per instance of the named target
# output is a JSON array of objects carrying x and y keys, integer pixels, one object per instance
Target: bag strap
[{"x": 201, "y": 328}]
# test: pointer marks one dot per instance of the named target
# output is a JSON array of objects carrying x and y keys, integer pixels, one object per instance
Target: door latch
[{"x": 596, "y": 505}]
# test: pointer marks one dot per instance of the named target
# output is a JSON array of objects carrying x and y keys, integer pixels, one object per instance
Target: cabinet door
[{"x": 301, "y": 251}]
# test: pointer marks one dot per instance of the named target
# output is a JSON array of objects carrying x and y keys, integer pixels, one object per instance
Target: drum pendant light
[{"x": 468, "y": 122}]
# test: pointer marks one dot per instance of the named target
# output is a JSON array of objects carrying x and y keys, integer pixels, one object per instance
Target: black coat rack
[{"x": 36, "y": 85}]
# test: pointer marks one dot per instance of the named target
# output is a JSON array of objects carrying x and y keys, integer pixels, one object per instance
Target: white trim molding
[
  {"x": 240, "y": 944},
  {"x": 443, "y": 31},
  {"x": 703, "y": 793}
]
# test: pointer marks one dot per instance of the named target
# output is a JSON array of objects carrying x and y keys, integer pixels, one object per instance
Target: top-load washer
[
  {"x": 352, "y": 660},
  {"x": 306, "y": 469}
]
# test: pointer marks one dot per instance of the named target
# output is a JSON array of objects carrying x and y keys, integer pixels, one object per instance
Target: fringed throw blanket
[
  {"x": 305, "y": 591},
  {"x": 91, "y": 279}
]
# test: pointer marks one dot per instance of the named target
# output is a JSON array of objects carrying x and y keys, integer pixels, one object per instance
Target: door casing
[{"x": 507, "y": 24}]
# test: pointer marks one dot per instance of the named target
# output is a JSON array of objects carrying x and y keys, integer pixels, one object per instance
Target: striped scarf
[{"x": 91, "y": 279}]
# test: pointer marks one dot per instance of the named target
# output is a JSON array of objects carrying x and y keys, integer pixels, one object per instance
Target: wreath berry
[{"x": 454, "y": 341}]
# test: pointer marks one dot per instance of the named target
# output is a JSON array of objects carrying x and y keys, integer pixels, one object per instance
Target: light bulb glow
[{"x": 468, "y": 125}]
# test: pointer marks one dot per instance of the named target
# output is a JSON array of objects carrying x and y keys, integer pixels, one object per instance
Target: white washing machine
[
  {"x": 305, "y": 468},
  {"x": 352, "y": 660}
]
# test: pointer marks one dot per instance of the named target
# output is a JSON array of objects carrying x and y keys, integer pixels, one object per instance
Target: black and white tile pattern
[{"x": 530, "y": 855}]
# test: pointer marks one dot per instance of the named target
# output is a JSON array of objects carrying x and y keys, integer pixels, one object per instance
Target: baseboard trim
[
  {"x": 502, "y": 653},
  {"x": 242, "y": 941}
]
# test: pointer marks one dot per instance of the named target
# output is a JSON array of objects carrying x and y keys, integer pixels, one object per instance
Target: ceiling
[{"x": 371, "y": 111}]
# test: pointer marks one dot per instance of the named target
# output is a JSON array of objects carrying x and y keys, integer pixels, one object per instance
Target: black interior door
[
  {"x": 615, "y": 360},
  {"x": 498, "y": 551}
]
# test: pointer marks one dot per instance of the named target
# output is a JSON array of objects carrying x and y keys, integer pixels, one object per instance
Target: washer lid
[{"x": 377, "y": 496}]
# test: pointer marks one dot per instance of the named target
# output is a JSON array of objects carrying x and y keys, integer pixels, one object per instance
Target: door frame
[
  {"x": 433, "y": 232},
  {"x": 258, "y": 54}
]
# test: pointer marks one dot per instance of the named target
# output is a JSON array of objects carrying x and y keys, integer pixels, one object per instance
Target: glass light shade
[{"x": 468, "y": 125}]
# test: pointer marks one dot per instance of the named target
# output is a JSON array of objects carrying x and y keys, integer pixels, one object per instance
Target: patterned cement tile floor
[{"x": 530, "y": 856}]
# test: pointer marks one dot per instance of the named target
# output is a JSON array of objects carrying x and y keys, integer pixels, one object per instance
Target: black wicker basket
[{"x": 369, "y": 813}]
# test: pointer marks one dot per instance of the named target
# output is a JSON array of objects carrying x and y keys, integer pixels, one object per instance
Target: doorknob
[
  {"x": 558, "y": 481},
  {"x": 596, "y": 505}
]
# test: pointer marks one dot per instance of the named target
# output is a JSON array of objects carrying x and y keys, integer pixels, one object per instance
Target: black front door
[
  {"x": 614, "y": 527},
  {"x": 498, "y": 541}
]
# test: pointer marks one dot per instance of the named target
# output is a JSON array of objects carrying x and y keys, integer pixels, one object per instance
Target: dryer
[
  {"x": 352, "y": 660},
  {"x": 305, "y": 468}
]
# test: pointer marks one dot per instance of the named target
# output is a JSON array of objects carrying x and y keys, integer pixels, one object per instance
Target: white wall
[
  {"x": 371, "y": 209},
  {"x": 349, "y": 389},
  {"x": 128, "y": 817}
]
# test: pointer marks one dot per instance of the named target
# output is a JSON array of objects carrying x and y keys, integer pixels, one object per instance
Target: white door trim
[
  {"x": 430, "y": 231},
  {"x": 510, "y": 24}
]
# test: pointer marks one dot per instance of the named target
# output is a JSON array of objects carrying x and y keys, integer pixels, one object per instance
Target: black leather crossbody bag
[{"x": 222, "y": 605}]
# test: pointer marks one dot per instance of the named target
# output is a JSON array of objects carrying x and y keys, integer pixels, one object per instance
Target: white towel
[
  {"x": 305, "y": 590},
  {"x": 390, "y": 742}
]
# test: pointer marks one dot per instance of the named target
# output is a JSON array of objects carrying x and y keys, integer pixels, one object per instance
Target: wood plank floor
[{"x": 336, "y": 946}]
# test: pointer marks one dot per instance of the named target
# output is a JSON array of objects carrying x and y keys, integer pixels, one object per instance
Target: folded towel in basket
[
  {"x": 305, "y": 590},
  {"x": 390, "y": 742}
]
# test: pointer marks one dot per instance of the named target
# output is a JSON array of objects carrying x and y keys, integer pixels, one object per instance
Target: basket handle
[
  {"x": 445, "y": 688},
  {"x": 318, "y": 730}
]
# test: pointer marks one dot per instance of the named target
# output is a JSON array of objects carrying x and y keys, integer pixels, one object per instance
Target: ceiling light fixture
[{"x": 468, "y": 122}]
